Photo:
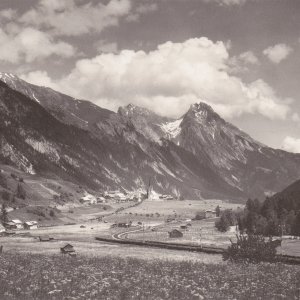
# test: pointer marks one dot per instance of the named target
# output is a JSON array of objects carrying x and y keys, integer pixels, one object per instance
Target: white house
[
  {"x": 14, "y": 224},
  {"x": 88, "y": 199},
  {"x": 31, "y": 225}
]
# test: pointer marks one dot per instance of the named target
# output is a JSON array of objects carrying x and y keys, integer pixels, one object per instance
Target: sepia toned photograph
[{"x": 149, "y": 149}]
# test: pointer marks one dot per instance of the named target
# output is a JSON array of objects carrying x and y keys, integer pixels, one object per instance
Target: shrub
[
  {"x": 251, "y": 248},
  {"x": 52, "y": 213},
  {"x": 200, "y": 215},
  {"x": 227, "y": 219}
]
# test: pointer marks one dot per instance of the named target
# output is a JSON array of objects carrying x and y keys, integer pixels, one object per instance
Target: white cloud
[
  {"x": 71, "y": 18},
  {"x": 141, "y": 9},
  {"x": 249, "y": 57},
  {"x": 241, "y": 63},
  {"x": 40, "y": 78},
  {"x": 169, "y": 79},
  {"x": 291, "y": 144},
  {"x": 227, "y": 2},
  {"x": 295, "y": 117},
  {"x": 278, "y": 52},
  {"x": 28, "y": 44},
  {"x": 7, "y": 14}
]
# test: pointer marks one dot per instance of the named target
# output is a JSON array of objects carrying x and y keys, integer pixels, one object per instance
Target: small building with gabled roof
[
  {"x": 14, "y": 224},
  {"x": 67, "y": 249},
  {"x": 175, "y": 233},
  {"x": 31, "y": 225}
]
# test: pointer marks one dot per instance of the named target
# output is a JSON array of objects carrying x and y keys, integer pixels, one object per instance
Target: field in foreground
[{"x": 32, "y": 276}]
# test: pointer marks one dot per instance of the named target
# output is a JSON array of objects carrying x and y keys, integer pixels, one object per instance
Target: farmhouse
[
  {"x": 101, "y": 200},
  {"x": 14, "y": 224},
  {"x": 210, "y": 214},
  {"x": 88, "y": 199},
  {"x": 67, "y": 249},
  {"x": 31, "y": 225},
  {"x": 175, "y": 234},
  {"x": 45, "y": 238}
]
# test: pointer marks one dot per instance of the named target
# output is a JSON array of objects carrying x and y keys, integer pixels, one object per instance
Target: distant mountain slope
[
  {"x": 289, "y": 198},
  {"x": 243, "y": 162},
  {"x": 36, "y": 141},
  {"x": 199, "y": 155},
  {"x": 80, "y": 113}
]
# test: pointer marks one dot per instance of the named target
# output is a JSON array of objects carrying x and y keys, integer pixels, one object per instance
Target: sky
[{"x": 240, "y": 56}]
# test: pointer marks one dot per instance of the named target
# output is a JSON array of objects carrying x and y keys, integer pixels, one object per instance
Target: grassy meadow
[{"x": 35, "y": 276}]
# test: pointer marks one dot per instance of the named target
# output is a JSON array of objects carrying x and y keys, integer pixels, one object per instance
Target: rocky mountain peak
[
  {"x": 133, "y": 110},
  {"x": 8, "y": 78},
  {"x": 202, "y": 113}
]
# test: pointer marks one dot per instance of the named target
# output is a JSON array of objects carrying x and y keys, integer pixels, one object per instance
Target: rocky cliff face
[{"x": 197, "y": 155}]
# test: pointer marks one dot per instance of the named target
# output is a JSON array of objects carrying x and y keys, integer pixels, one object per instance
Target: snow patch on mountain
[
  {"x": 35, "y": 98},
  {"x": 8, "y": 78},
  {"x": 171, "y": 129}
]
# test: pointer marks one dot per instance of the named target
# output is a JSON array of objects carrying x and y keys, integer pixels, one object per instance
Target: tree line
[{"x": 272, "y": 217}]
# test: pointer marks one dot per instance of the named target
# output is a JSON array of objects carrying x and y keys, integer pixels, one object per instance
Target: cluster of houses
[
  {"x": 117, "y": 196},
  {"x": 18, "y": 224},
  {"x": 121, "y": 197},
  {"x": 166, "y": 197}
]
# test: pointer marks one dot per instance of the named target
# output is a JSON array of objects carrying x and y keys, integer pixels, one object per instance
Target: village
[{"x": 131, "y": 214}]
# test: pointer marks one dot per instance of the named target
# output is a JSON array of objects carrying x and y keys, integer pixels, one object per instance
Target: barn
[
  {"x": 31, "y": 225},
  {"x": 67, "y": 249},
  {"x": 175, "y": 233},
  {"x": 14, "y": 224}
]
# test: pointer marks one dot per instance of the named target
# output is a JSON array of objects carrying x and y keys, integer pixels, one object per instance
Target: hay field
[{"x": 185, "y": 208}]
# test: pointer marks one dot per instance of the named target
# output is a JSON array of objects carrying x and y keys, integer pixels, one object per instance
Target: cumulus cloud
[
  {"x": 249, "y": 57},
  {"x": 242, "y": 62},
  {"x": 291, "y": 144},
  {"x": 29, "y": 44},
  {"x": 278, "y": 53},
  {"x": 169, "y": 79}
]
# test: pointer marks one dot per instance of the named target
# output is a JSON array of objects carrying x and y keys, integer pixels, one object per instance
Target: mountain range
[{"x": 198, "y": 155}]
